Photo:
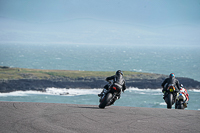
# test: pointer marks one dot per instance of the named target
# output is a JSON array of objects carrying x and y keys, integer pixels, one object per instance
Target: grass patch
[{"x": 23, "y": 73}]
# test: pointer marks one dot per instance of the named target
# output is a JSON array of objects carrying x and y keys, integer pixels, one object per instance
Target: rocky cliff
[
  {"x": 13, "y": 79},
  {"x": 89, "y": 83}
]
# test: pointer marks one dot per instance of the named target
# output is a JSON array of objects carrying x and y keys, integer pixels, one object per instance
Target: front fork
[{"x": 103, "y": 94}]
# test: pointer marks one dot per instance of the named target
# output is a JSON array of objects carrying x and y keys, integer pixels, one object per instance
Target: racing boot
[
  {"x": 185, "y": 105},
  {"x": 164, "y": 95},
  {"x": 101, "y": 94}
]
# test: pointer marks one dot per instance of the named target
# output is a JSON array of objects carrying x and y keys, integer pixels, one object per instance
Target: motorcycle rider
[
  {"x": 170, "y": 80},
  {"x": 118, "y": 81}
]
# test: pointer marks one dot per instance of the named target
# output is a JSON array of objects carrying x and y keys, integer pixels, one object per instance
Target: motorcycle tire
[
  {"x": 170, "y": 100},
  {"x": 180, "y": 105},
  {"x": 105, "y": 100}
]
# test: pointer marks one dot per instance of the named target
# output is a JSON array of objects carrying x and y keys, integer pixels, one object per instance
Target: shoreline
[
  {"x": 41, "y": 85},
  {"x": 13, "y": 79}
]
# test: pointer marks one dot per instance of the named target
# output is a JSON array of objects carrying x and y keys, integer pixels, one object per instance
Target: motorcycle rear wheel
[
  {"x": 170, "y": 100},
  {"x": 105, "y": 100},
  {"x": 180, "y": 105}
]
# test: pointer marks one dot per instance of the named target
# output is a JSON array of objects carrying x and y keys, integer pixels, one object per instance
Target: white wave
[
  {"x": 145, "y": 91},
  {"x": 141, "y": 93},
  {"x": 156, "y": 103},
  {"x": 72, "y": 92},
  {"x": 137, "y": 89},
  {"x": 20, "y": 93},
  {"x": 157, "y": 93},
  {"x": 194, "y": 90},
  {"x": 78, "y": 91},
  {"x": 54, "y": 91},
  {"x": 163, "y": 103}
]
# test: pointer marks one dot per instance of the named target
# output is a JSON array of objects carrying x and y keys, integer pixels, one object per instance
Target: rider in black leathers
[
  {"x": 170, "y": 80},
  {"x": 118, "y": 81}
]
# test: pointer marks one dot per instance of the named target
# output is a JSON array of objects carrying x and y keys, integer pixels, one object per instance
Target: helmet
[
  {"x": 172, "y": 75},
  {"x": 118, "y": 72},
  {"x": 181, "y": 85}
]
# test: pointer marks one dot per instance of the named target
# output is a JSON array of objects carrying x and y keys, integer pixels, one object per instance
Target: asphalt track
[{"x": 24, "y": 117}]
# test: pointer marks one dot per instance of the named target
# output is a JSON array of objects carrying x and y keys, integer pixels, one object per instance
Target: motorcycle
[
  {"x": 170, "y": 95},
  {"x": 180, "y": 101},
  {"x": 109, "y": 95},
  {"x": 182, "y": 98}
]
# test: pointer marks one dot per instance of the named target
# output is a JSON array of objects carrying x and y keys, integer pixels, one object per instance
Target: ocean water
[
  {"x": 184, "y": 61},
  {"x": 132, "y": 97}
]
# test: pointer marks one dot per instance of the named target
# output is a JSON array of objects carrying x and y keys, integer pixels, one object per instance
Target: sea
[{"x": 184, "y": 61}]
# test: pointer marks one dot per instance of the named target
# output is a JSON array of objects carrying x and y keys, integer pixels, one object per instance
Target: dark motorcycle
[
  {"x": 170, "y": 95},
  {"x": 109, "y": 96}
]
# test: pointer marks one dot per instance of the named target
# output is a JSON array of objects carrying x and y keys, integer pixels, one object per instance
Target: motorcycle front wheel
[{"x": 105, "y": 100}]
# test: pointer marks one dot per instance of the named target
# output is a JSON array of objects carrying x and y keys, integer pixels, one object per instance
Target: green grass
[{"x": 23, "y": 73}]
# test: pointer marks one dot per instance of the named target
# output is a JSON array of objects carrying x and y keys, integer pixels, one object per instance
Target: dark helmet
[
  {"x": 118, "y": 72},
  {"x": 172, "y": 75}
]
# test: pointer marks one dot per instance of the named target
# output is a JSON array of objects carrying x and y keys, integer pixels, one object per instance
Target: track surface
[{"x": 27, "y": 117}]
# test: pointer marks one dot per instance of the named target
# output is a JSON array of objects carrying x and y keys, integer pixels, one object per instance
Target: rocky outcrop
[{"x": 89, "y": 83}]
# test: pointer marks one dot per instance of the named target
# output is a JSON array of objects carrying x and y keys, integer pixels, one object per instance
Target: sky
[{"x": 131, "y": 22}]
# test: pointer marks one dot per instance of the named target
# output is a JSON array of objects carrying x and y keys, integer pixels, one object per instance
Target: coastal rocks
[
  {"x": 86, "y": 83},
  {"x": 156, "y": 83}
]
